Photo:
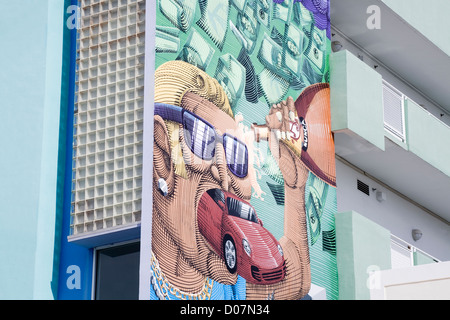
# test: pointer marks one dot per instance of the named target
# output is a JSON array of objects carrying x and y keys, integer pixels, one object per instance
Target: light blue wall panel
[{"x": 30, "y": 61}]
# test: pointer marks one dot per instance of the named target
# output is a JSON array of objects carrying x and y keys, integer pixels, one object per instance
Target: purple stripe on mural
[{"x": 320, "y": 9}]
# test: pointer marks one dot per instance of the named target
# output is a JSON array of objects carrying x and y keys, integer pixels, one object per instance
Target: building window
[{"x": 117, "y": 272}]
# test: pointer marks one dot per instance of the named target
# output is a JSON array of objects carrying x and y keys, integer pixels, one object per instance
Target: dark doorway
[{"x": 117, "y": 272}]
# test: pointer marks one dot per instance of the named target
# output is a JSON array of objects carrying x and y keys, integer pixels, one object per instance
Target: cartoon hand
[
  {"x": 281, "y": 145},
  {"x": 279, "y": 118}
]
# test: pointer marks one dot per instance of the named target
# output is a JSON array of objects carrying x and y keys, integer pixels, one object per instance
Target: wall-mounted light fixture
[
  {"x": 336, "y": 46},
  {"x": 381, "y": 196},
  {"x": 416, "y": 234}
]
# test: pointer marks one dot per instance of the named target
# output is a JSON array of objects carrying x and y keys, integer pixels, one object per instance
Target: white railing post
[
  {"x": 413, "y": 250},
  {"x": 402, "y": 253}
]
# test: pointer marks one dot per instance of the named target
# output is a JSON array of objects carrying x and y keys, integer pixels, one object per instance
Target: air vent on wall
[{"x": 364, "y": 188}]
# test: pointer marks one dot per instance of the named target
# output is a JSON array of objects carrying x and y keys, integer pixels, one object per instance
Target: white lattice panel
[
  {"x": 107, "y": 154},
  {"x": 393, "y": 102}
]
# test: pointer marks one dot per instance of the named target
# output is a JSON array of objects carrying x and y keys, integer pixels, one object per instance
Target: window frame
[{"x": 95, "y": 257}]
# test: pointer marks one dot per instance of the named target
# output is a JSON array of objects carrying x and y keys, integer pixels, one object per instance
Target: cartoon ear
[{"x": 163, "y": 167}]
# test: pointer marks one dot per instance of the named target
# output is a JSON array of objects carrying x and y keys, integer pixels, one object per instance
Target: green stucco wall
[
  {"x": 356, "y": 98},
  {"x": 362, "y": 247},
  {"x": 427, "y": 137}
]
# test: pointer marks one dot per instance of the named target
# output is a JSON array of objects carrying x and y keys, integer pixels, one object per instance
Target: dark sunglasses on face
[{"x": 201, "y": 137}]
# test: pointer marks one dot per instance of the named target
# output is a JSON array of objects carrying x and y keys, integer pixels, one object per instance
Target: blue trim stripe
[{"x": 72, "y": 254}]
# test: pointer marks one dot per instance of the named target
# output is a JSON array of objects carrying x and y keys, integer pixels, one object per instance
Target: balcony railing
[
  {"x": 403, "y": 254},
  {"x": 394, "y": 111}
]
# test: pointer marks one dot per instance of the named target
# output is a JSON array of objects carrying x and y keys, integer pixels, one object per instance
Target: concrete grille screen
[{"x": 108, "y": 125}]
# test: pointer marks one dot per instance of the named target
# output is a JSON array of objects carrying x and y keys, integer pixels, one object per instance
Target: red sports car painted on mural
[{"x": 234, "y": 231}]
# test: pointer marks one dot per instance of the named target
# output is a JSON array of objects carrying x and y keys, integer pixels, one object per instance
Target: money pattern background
[{"x": 261, "y": 52}]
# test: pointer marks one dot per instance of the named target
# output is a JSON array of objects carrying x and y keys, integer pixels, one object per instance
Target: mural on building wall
[{"x": 244, "y": 176}]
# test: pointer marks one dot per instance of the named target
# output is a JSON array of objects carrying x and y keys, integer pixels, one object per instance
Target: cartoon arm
[{"x": 295, "y": 240}]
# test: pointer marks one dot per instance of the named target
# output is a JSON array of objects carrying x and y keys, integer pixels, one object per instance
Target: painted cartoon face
[{"x": 210, "y": 144}]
